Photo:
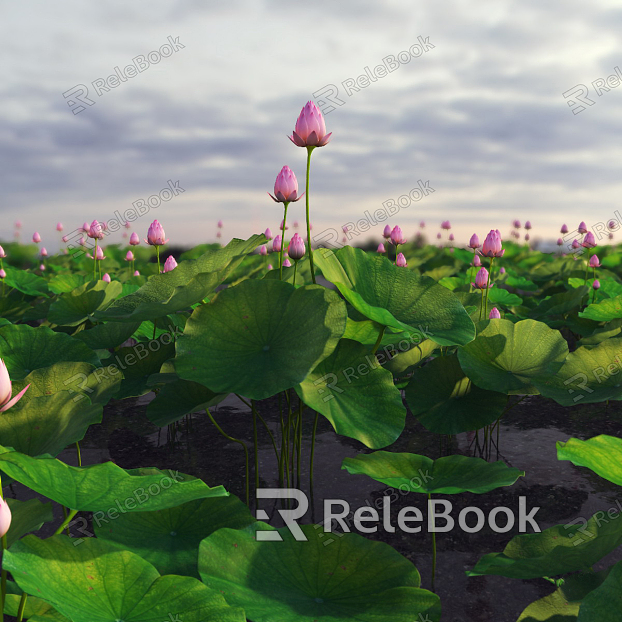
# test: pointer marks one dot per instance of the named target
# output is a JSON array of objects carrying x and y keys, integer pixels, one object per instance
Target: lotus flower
[
  {"x": 5, "y": 517},
  {"x": 36, "y": 238},
  {"x": 610, "y": 236},
  {"x": 400, "y": 261},
  {"x": 96, "y": 231},
  {"x": 494, "y": 314},
  {"x": 156, "y": 235},
  {"x": 169, "y": 264},
  {"x": 287, "y": 263},
  {"x": 284, "y": 223},
  {"x": 474, "y": 241},
  {"x": 219, "y": 235},
  {"x": 502, "y": 271},
  {"x": 526, "y": 237},
  {"x": 589, "y": 241},
  {"x": 559, "y": 241},
  {"x": 276, "y": 244},
  {"x": 492, "y": 245},
  {"x": 2, "y": 273},
  {"x": 528, "y": 225},
  {"x": 381, "y": 248},
  {"x": 386, "y": 232},
  {"x": 134, "y": 239},
  {"x": 438, "y": 236},
  {"x": 65, "y": 239},
  {"x": 594, "y": 262},
  {"x": 268, "y": 234},
  {"x": 286, "y": 187},
  {"x": 446, "y": 225},
  {"x": 596, "y": 284},
  {"x": 477, "y": 262},
  {"x": 481, "y": 279},
  {"x": 422, "y": 224},
  {"x": 516, "y": 224},
  {"x": 106, "y": 278},
  {"x": 575, "y": 243},
  {"x": 612, "y": 224},
  {"x": 397, "y": 237},
  {"x": 296, "y": 224},
  {"x": 44, "y": 252},
  {"x": 59, "y": 226},
  {"x": 129, "y": 256},
  {"x": 582, "y": 227},
  {"x": 564, "y": 229},
  {"x": 451, "y": 237},
  {"x": 18, "y": 224},
  {"x": 296, "y": 249},
  {"x": 136, "y": 273},
  {"x": 310, "y": 128},
  {"x": 270, "y": 267},
  {"x": 2, "y": 253},
  {"x": 127, "y": 225},
  {"x": 6, "y": 389},
  {"x": 220, "y": 224}
]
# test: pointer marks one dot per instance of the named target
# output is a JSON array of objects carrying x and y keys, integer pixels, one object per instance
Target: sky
[{"x": 479, "y": 116}]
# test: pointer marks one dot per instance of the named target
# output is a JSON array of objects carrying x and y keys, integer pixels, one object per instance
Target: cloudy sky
[{"x": 480, "y": 115}]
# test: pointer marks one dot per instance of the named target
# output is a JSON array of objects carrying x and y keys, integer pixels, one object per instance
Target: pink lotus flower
[
  {"x": 268, "y": 234},
  {"x": 422, "y": 224},
  {"x": 106, "y": 278},
  {"x": 134, "y": 239},
  {"x": 286, "y": 187},
  {"x": 59, "y": 226},
  {"x": 296, "y": 249},
  {"x": 127, "y": 225},
  {"x": 526, "y": 237},
  {"x": 310, "y": 128},
  {"x": 397, "y": 237},
  {"x": 96, "y": 231},
  {"x": 564, "y": 229},
  {"x": 438, "y": 236},
  {"x": 2, "y": 253},
  {"x": 386, "y": 232},
  {"x": 18, "y": 224},
  {"x": 477, "y": 262},
  {"x": 5, "y": 518},
  {"x": 220, "y": 224},
  {"x": 528, "y": 225},
  {"x": 481, "y": 279},
  {"x": 281, "y": 226},
  {"x": 136, "y": 273},
  {"x": 42, "y": 267},
  {"x": 594, "y": 262},
  {"x": 582, "y": 227},
  {"x": 612, "y": 224},
  {"x": 36, "y": 238},
  {"x": 219, "y": 235},
  {"x": 474, "y": 242},
  {"x": 502, "y": 271},
  {"x": 381, "y": 248},
  {"x": 129, "y": 256},
  {"x": 589, "y": 241},
  {"x": 492, "y": 245},
  {"x": 596, "y": 284},
  {"x": 575, "y": 243},
  {"x": 296, "y": 224},
  {"x": 2, "y": 273},
  {"x": 263, "y": 250},
  {"x": 156, "y": 235},
  {"x": 287, "y": 263},
  {"x": 6, "y": 389},
  {"x": 400, "y": 261},
  {"x": 44, "y": 252},
  {"x": 559, "y": 241},
  {"x": 65, "y": 239},
  {"x": 516, "y": 224},
  {"x": 610, "y": 236},
  {"x": 494, "y": 314},
  {"x": 169, "y": 264},
  {"x": 270, "y": 267},
  {"x": 86, "y": 227},
  {"x": 446, "y": 225},
  {"x": 99, "y": 254},
  {"x": 276, "y": 244},
  {"x": 451, "y": 237}
]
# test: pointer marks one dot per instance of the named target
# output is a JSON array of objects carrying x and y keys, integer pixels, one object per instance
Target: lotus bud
[
  {"x": 286, "y": 187},
  {"x": 276, "y": 244},
  {"x": 5, "y": 517},
  {"x": 36, "y": 238},
  {"x": 219, "y": 235},
  {"x": 281, "y": 226},
  {"x": 612, "y": 224},
  {"x": 296, "y": 249},
  {"x": 134, "y": 239},
  {"x": 516, "y": 224},
  {"x": 136, "y": 273},
  {"x": 156, "y": 235},
  {"x": 575, "y": 243},
  {"x": 129, "y": 256},
  {"x": 268, "y": 234},
  {"x": 387, "y": 232},
  {"x": 502, "y": 271},
  {"x": 2, "y": 273},
  {"x": 381, "y": 248},
  {"x": 220, "y": 224},
  {"x": 589, "y": 241},
  {"x": 481, "y": 279},
  {"x": 438, "y": 236},
  {"x": 451, "y": 237},
  {"x": 310, "y": 128},
  {"x": 477, "y": 262},
  {"x": 287, "y": 263},
  {"x": 492, "y": 245},
  {"x": 559, "y": 241},
  {"x": 494, "y": 314},
  {"x": 582, "y": 227},
  {"x": 270, "y": 267},
  {"x": 296, "y": 225},
  {"x": 106, "y": 278},
  {"x": 397, "y": 237},
  {"x": 2, "y": 253},
  {"x": 96, "y": 231},
  {"x": 528, "y": 225},
  {"x": 59, "y": 226},
  {"x": 610, "y": 236},
  {"x": 446, "y": 225},
  {"x": 18, "y": 224},
  {"x": 422, "y": 224},
  {"x": 526, "y": 237},
  {"x": 6, "y": 389},
  {"x": 127, "y": 225},
  {"x": 42, "y": 267},
  {"x": 474, "y": 241},
  {"x": 169, "y": 264},
  {"x": 596, "y": 284},
  {"x": 564, "y": 229},
  {"x": 99, "y": 254},
  {"x": 400, "y": 261},
  {"x": 594, "y": 262},
  {"x": 44, "y": 252}
]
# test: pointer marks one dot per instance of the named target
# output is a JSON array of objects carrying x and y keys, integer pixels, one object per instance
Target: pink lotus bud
[
  {"x": 422, "y": 224},
  {"x": 134, "y": 239},
  {"x": 286, "y": 187},
  {"x": 589, "y": 241},
  {"x": 400, "y": 261},
  {"x": 438, "y": 236},
  {"x": 594, "y": 262},
  {"x": 596, "y": 284},
  {"x": 106, "y": 278},
  {"x": 136, "y": 273},
  {"x": 65, "y": 239},
  {"x": 42, "y": 267},
  {"x": 124, "y": 236},
  {"x": 492, "y": 245},
  {"x": 169, "y": 264},
  {"x": 528, "y": 225},
  {"x": 296, "y": 224},
  {"x": 86, "y": 227},
  {"x": 474, "y": 241},
  {"x": 582, "y": 227},
  {"x": 344, "y": 240},
  {"x": 516, "y": 224},
  {"x": 287, "y": 263},
  {"x": 451, "y": 237},
  {"x": 397, "y": 237},
  {"x": 502, "y": 271},
  {"x": 95, "y": 231},
  {"x": 18, "y": 224},
  {"x": 263, "y": 250},
  {"x": 381, "y": 248},
  {"x": 156, "y": 235},
  {"x": 575, "y": 244},
  {"x": 59, "y": 226},
  {"x": 44, "y": 252},
  {"x": 481, "y": 279},
  {"x": 564, "y": 229},
  {"x": 386, "y": 232},
  {"x": 2, "y": 273},
  {"x": 82, "y": 241},
  {"x": 477, "y": 262},
  {"x": 220, "y": 224},
  {"x": 129, "y": 256},
  {"x": 36, "y": 238},
  {"x": 268, "y": 234},
  {"x": 610, "y": 236},
  {"x": 5, "y": 518},
  {"x": 270, "y": 267},
  {"x": 99, "y": 254},
  {"x": 2, "y": 253},
  {"x": 526, "y": 237},
  {"x": 612, "y": 224},
  {"x": 104, "y": 226},
  {"x": 276, "y": 244},
  {"x": 219, "y": 235},
  {"x": 296, "y": 249},
  {"x": 494, "y": 314},
  {"x": 310, "y": 128},
  {"x": 559, "y": 241},
  {"x": 281, "y": 226},
  {"x": 446, "y": 225},
  {"x": 127, "y": 225},
  {"x": 345, "y": 228}
]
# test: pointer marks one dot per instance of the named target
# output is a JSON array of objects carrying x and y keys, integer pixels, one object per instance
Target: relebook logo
[{"x": 439, "y": 519}]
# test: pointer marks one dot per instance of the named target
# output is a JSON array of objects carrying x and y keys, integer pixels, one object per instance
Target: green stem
[
  {"x": 309, "y": 150},
  {"x": 66, "y": 522},
  {"x": 285, "y": 205},
  {"x": 22, "y": 606},
  {"x": 79, "y": 454},
  {"x": 377, "y": 344},
  {"x": 295, "y": 266},
  {"x": 488, "y": 288},
  {"x": 158, "y": 256},
  {"x": 433, "y": 543},
  {"x": 95, "y": 262}
]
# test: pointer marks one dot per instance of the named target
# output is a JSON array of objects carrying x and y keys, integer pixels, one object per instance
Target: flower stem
[
  {"x": 295, "y": 266},
  {"x": 285, "y": 206},
  {"x": 309, "y": 150},
  {"x": 22, "y": 606},
  {"x": 158, "y": 256}
]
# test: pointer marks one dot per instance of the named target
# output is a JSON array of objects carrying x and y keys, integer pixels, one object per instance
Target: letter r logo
[{"x": 289, "y": 516}]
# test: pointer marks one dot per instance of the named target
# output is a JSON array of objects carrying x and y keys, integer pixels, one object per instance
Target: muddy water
[{"x": 527, "y": 441}]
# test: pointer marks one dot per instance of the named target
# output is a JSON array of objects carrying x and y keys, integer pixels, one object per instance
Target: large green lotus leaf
[
  {"x": 25, "y": 349},
  {"x": 95, "y": 582},
  {"x": 80, "y": 379},
  {"x": 605, "y": 310},
  {"x": 405, "y": 361},
  {"x": 605, "y": 602},
  {"x": 521, "y": 283},
  {"x": 610, "y": 329},
  {"x": 63, "y": 283},
  {"x": 260, "y": 337},
  {"x": 508, "y": 357},
  {"x": 555, "y": 551},
  {"x": 367, "y": 332},
  {"x": 79, "y": 305},
  {"x": 499, "y": 296},
  {"x": 447, "y": 402},
  {"x": 449, "y": 475},
  {"x": 179, "y": 398},
  {"x": 602, "y": 454},
  {"x": 356, "y": 395},
  {"x": 107, "y": 336},
  {"x": 35, "y": 610},
  {"x": 560, "y": 304},
  {"x": 292, "y": 581},
  {"x": 396, "y": 297},
  {"x": 48, "y": 424},
  {"x": 190, "y": 282},
  {"x": 169, "y": 539},
  {"x": 26, "y": 516},
  {"x": 100, "y": 487},
  {"x": 26, "y": 282},
  {"x": 588, "y": 375}
]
